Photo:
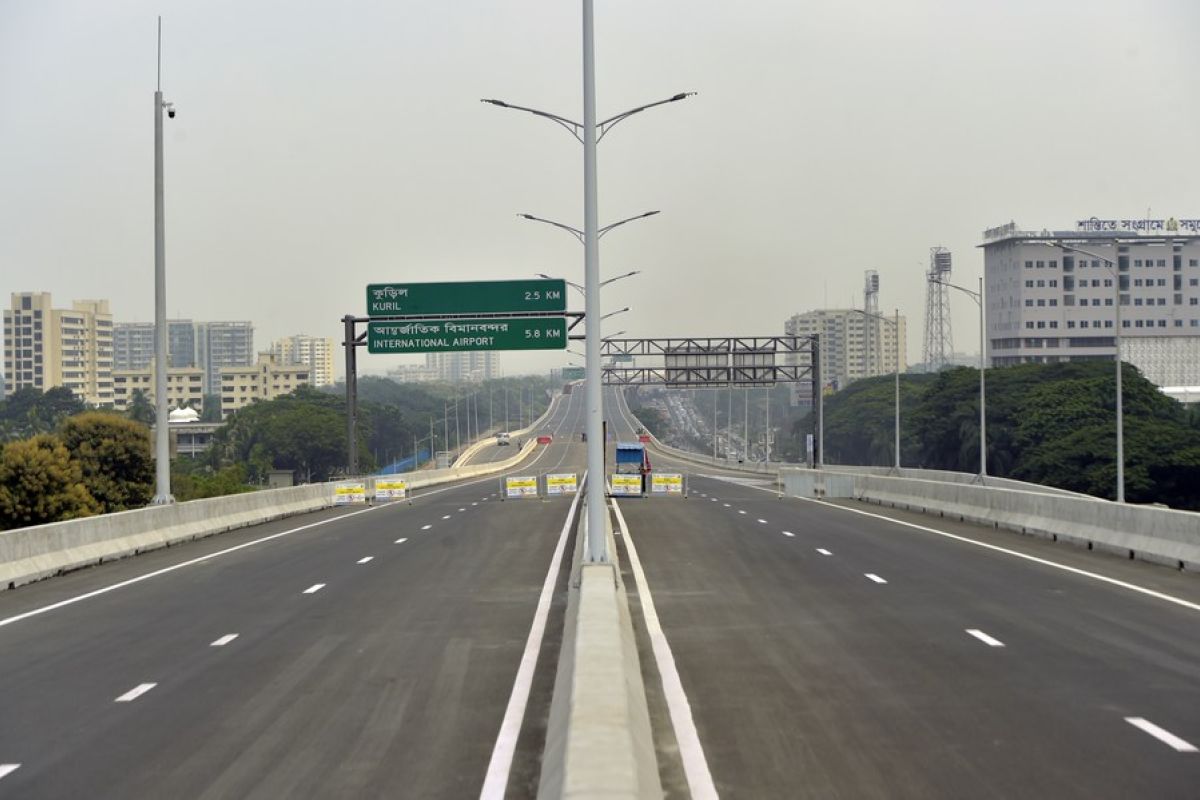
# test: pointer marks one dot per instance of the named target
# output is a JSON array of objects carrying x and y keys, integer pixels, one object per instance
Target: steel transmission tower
[
  {"x": 871, "y": 324},
  {"x": 939, "y": 342}
]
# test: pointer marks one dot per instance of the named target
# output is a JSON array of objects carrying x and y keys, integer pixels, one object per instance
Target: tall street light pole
[
  {"x": 589, "y": 132},
  {"x": 978, "y": 298},
  {"x": 896, "y": 325},
  {"x": 162, "y": 437},
  {"x": 1112, "y": 267}
]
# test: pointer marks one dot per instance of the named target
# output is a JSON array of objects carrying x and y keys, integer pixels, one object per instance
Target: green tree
[
  {"x": 140, "y": 408},
  {"x": 40, "y": 483},
  {"x": 29, "y": 411},
  {"x": 114, "y": 456}
]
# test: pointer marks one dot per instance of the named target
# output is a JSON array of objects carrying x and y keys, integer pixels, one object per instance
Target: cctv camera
[{"x": 171, "y": 112}]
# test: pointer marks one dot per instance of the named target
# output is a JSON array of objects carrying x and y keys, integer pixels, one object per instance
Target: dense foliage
[
  {"x": 40, "y": 483},
  {"x": 28, "y": 412},
  {"x": 1053, "y": 424},
  {"x": 114, "y": 457}
]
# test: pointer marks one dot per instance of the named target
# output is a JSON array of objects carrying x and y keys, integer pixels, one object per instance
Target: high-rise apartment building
[
  {"x": 1053, "y": 296},
  {"x": 853, "y": 345},
  {"x": 314, "y": 352},
  {"x": 46, "y": 347},
  {"x": 133, "y": 345},
  {"x": 265, "y": 380},
  {"x": 467, "y": 367},
  {"x": 223, "y": 344}
]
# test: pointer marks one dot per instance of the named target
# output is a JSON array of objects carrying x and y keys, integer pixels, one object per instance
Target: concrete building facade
[
  {"x": 45, "y": 347},
  {"x": 1047, "y": 302},
  {"x": 220, "y": 345},
  {"x": 267, "y": 379},
  {"x": 853, "y": 345},
  {"x": 133, "y": 345},
  {"x": 185, "y": 387},
  {"x": 314, "y": 352}
]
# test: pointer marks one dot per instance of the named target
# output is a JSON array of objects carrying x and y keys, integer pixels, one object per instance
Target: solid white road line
[
  {"x": 823, "y": 551},
  {"x": 496, "y": 781},
  {"x": 426, "y": 527},
  {"x": 365, "y": 560},
  {"x": 7, "y": 768},
  {"x": 983, "y": 637},
  {"x": 316, "y": 587},
  {"x": 224, "y": 640},
  {"x": 788, "y": 533},
  {"x": 1166, "y": 737},
  {"x": 1133, "y": 587},
  {"x": 135, "y": 692},
  {"x": 874, "y": 577},
  {"x": 691, "y": 752},
  {"x": 401, "y": 541}
]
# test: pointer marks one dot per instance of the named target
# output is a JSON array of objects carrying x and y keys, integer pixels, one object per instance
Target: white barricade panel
[
  {"x": 521, "y": 486},
  {"x": 666, "y": 483},
  {"x": 625, "y": 484},
  {"x": 558, "y": 483},
  {"x": 349, "y": 492},
  {"x": 389, "y": 488}
]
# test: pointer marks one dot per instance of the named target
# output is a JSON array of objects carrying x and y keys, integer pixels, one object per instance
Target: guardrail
[
  {"x": 41, "y": 551},
  {"x": 1159, "y": 535}
]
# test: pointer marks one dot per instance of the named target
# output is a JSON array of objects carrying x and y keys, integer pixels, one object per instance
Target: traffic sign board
[
  {"x": 475, "y": 297},
  {"x": 450, "y": 335},
  {"x": 573, "y": 373}
]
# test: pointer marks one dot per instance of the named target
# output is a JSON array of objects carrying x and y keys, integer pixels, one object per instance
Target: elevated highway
[{"x": 789, "y": 648}]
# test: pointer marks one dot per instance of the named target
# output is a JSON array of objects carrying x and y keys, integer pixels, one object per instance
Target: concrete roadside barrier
[{"x": 598, "y": 740}]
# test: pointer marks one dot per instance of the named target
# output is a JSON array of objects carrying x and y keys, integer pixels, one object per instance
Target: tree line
[{"x": 1053, "y": 424}]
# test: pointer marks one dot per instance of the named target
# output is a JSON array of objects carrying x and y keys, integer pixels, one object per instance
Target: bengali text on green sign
[{"x": 445, "y": 336}]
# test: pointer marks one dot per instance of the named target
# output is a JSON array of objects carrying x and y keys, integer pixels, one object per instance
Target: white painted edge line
[
  {"x": 401, "y": 541},
  {"x": 135, "y": 692},
  {"x": 173, "y": 567},
  {"x": 1133, "y": 587},
  {"x": 224, "y": 640},
  {"x": 426, "y": 527},
  {"x": 983, "y": 637},
  {"x": 495, "y": 782},
  {"x": 365, "y": 560},
  {"x": 787, "y": 533},
  {"x": 1164, "y": 736},
  {"x": 823, "y": 551},
  {"x": 316, "y": 587},
  {"x": 691, "y": 752},
  {"x": 5, "y": 769},
  {"x": 874, "y": 577}
]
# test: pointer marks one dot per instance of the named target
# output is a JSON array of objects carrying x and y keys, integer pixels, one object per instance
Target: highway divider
[
  {"x": 41, "y": 551},
  {"x": 1159, "y": 535},
  {"x": 465, "y": 456},
  {"x": 598, "y": 738}
]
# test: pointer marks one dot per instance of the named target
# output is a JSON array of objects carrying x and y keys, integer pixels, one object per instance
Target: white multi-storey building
[
  {"x": 314, "y": 352},
  {"x": 853, "y": 345},
  {"x": 1052, "y": 296},
  {"x": 265, "y": 380},
  {"x": 46, "y": 347}
]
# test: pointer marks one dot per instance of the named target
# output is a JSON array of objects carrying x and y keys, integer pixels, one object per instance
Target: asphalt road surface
[
  {"x": 366, "y": 653},
  {"x": 828, "y": 651}
]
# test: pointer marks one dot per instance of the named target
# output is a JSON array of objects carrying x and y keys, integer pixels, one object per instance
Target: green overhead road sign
[
  {"x": 476, "y": 297},
  {"x": 450, "y": 335},
  {"x": 573, "y": 373}
]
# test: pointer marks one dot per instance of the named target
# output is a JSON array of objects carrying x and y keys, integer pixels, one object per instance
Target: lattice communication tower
[{"x": 939, "y": 342}]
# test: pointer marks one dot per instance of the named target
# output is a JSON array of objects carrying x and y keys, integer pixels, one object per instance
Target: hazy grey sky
[{"x": 324, "y": 145}]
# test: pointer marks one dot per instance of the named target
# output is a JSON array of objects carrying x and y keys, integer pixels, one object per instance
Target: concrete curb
[{"x": 598, "y": 740}]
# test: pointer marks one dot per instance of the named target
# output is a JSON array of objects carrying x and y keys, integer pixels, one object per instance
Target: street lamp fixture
[
  {"x": 577, "y": 129},
  {"x": 578, "y": 234},
  {"x": 603, "y": 283},
  {"x": 896, "y": 325},
  {"x": 978, "y": 298},
  {"x": 1113, "y": 270}
]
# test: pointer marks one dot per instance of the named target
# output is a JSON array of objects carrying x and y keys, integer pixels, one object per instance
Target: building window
[
  {"x": 1178, "y": 323},
  {"x": 1178, "y": 299},
  {"x": 1122, "y": 263},
  {"x": 1137, "y": 262},
  {"x": 1028, "y": 284},
  {"x": 1108, "y": 323},
  {"x": 1137, "y": 301},
  {"x": 1053, "y": 323},
  {"x": 1138, "y": 323},
  {"x": 1137, "y": 282},
  {"x": 1162, "y": 301},
  {"x": 1029, "y": 303},
  {"x": 1053, "y": 301},
  {"x": 1071, "y": 323},
  {"x": 1162, "y": 262},
  {"x": 1162, "y": 323},
  {"x": 1194, "y": 301},
  {"x": 1041, "y": 265},
  {"x": 1054, "y": 283},
  {"x": 1030, "y": 324},
  {"x": 1041, "y": 302},
  {"x": 1041, "y": 324},
  {"x": 1041, "y": 284}
]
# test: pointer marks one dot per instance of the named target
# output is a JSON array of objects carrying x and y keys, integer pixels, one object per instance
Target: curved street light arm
[
  {"x": 619, "y": 223},
  {"x": 575, "y": 286},
  {"x": 578, "y": 234},
  {"x": 573, "y": 128},
  {"x": 605, "y": 126},
  {"x": 969, "y": 292}
]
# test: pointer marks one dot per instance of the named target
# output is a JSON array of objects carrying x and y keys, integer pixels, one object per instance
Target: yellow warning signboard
[
  {"x": 562, "y": 483},
  {"x": 525, "y": 486},
  {"x": 349, "y": 492},
  {"x": 389, "y": 488},
  {"x": 625, "y": 484},
  {"x": 666, "y": 483}
]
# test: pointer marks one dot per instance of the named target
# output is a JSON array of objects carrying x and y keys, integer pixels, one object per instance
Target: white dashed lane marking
[
  {"x": 446, "y": 517},
  {"x": 5, "y": 769},
  {"x": 983, "y": 637},
  {"x": 365, "y": 560},
  {"x": 788, "y": 533},
  {"x": 823, "y": 551},
  {"x": 316, "y": 587},
  {"x": 224, "y": 640},
  {"x": 135, "y": 692},
  {"x": 426, "y": 527},
  {"x": 874, "y": 577},
  {"x": 1164, "y": 736},
  {"x": 763, "y": 521},
  {"x": 401, "y": 541}
]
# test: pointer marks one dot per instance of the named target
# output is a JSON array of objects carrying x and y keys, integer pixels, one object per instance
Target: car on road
[{"x": 503, "y": 439}]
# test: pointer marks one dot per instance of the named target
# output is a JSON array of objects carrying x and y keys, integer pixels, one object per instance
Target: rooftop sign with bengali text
[
  {"x": 474, "y": 297},
  {"x": 447, "y": 336}
]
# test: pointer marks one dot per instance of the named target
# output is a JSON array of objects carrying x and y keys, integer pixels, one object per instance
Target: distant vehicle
[
  {"x": 583, "y": 436},
  {"x": 640, "y": 431},
  {"x": 503, "y": 440},
  {"x": 632, "y": 459}
]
